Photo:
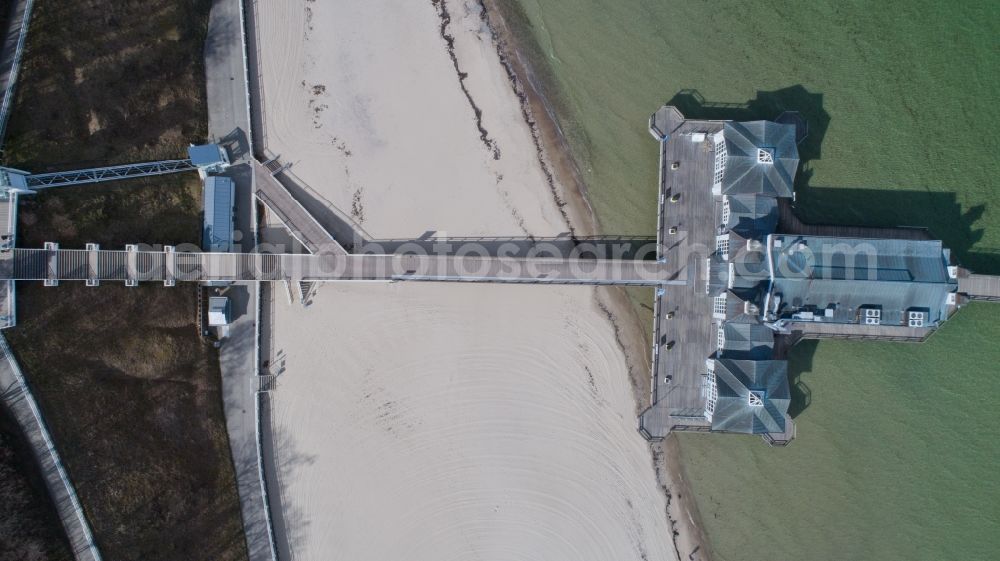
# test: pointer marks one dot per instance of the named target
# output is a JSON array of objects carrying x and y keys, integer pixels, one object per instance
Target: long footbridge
[{"x": 132, "y": 266}]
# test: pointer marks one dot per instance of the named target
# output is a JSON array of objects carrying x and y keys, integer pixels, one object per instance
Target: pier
[
  {"x": 760, "y": 279},
  {"x": 53, "y": 265}
]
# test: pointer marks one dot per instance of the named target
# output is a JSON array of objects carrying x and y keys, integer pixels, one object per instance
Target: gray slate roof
[
  {"x": 745, "y": 174},
  {"x": 747, "y": 341},
  {"x": 743, "y": 305},
  {"x": 752, "y": 216},
  {"x": 735, "y": 380}
]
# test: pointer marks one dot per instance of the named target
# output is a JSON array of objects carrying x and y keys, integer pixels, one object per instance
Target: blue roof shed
[{"x": 219, "y": 199}]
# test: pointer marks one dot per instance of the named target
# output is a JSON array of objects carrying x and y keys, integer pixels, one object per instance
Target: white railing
[
  {"x": 260, "y": 475},
  {"x": 50, "y": 450},
  {"x": 254, "y": 227},
  {"x": 8, "y": 94},
  {"x": 246, "y": 75}
]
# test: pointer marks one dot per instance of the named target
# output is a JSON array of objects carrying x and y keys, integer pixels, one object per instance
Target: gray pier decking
[
  {"x": 132, "y": 266},
  {"x": 683, "y": 340}
]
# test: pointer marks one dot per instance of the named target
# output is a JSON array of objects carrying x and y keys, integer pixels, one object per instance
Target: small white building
[{"x": 218, "y": 311}]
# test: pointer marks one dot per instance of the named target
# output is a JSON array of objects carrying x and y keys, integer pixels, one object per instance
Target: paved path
[
  {"x": 19, "y": 401},
  {"x": 292, "y": 214},
  {"x": 10, "y": 59},
  {"x": 228, "y": 124}
]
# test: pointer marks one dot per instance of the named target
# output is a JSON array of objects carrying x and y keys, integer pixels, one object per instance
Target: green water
[{"x": 897, "y": 449}]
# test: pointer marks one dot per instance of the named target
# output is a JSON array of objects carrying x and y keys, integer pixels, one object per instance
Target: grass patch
[
  {"x": 109, "y": 81},
  {"x": 131, "y": 392},
  {"x": 29, "y": 526},
  {"x": 156, "y": 210},
  {"x": 132, "y": 395}
]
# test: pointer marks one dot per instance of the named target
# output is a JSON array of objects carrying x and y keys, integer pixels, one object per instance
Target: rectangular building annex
[{"x": 219, "y": 206}]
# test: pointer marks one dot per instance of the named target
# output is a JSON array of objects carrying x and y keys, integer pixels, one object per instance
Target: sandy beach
[{"x": 439, "y": 421}]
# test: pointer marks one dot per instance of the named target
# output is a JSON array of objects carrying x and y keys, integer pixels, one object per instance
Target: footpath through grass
[{"x": 131, "y": 392}]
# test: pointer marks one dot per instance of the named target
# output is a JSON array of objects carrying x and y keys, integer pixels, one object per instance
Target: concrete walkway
[
  {"x": 228, "y": 124},
  {"x": 21, "y": 404}
]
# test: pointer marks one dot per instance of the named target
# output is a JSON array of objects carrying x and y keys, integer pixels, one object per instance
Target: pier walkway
[
  {"x": 979, "y": 287},
  {"x": 52, "y": 265},
  {"x": 8, "y": 231},
  {"x": 683, "y": 329},
  {"x": 302, "y": 225}
]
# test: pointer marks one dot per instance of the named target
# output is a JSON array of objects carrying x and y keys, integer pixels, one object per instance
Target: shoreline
[
  {"x": 493, "y": 428},
  {"x": 562, "y": 170}
]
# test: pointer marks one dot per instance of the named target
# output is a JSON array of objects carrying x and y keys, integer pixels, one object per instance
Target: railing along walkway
[{"x": 132, "y": 266}]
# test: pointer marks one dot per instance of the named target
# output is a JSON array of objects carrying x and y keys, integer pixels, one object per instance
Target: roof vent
[
  {"x": 755, "y": 398},
  {"x": 765, "y": 155}
]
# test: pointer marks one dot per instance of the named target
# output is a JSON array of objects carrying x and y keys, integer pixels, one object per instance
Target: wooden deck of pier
[
  {"x": 302, "y": 225},
  {"x": 979, "y": 287},
  {"x": 684, "y": 342},
  {"x": 860, "y": 332}
]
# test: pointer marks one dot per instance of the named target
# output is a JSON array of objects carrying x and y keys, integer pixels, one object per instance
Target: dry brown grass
[
  {"x": 130, "y": 391},
  {"x": 132, "y": 395},
  {"x": 29, "y": 527},
  {"x": 109, "y": 81}
]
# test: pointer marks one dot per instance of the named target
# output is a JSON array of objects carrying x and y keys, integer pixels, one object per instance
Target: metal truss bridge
[{"x": 95, "y": 175}]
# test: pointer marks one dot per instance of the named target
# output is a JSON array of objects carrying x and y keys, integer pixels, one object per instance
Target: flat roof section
[
  {"x": 207, "y": 155},
  {"x": 835, "y": 280}
]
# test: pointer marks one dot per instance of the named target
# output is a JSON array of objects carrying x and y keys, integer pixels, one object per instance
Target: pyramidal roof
[
  {"x": 761, "y": 159},
  {"x": 753, "y": 396}
]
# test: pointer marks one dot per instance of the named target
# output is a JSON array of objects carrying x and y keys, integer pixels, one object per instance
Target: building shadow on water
[
  {"x": 939, "y": 212},
  {"x": 767, "y": 105},
  {"x": 800, "y": 362}
]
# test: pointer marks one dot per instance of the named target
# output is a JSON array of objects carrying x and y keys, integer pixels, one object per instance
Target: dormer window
[{"x": 765, "y": 155}]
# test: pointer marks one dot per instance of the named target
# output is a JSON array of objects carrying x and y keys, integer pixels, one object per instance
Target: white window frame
[
  {"x": 713, "y": 395},
  {"x": 722, "y": 245},
  {"x": 719, "y": 306},
  {"x": 719, "y": 140}
]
